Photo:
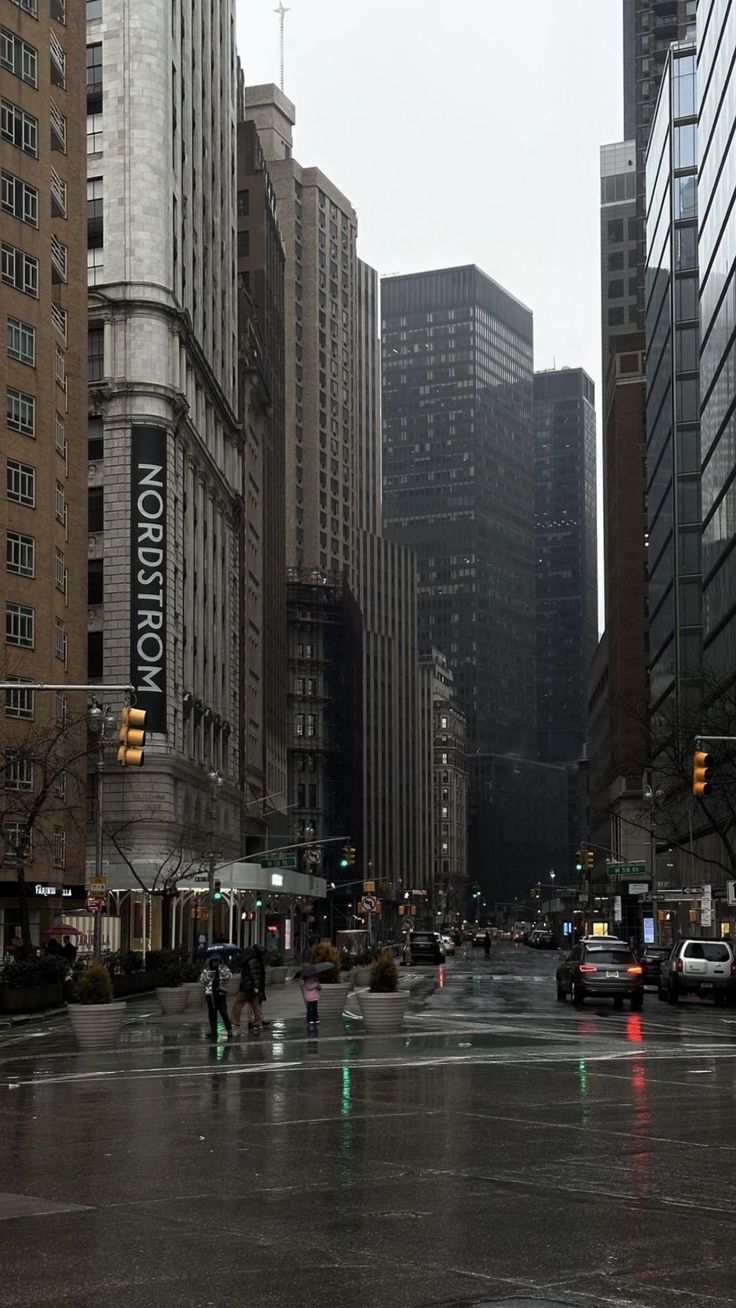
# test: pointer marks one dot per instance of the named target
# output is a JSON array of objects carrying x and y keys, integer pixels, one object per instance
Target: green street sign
[
  {"x": 627, "y": 871},
  {"x": 279, "y": 860}
]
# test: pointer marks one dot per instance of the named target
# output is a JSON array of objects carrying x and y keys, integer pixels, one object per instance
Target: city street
[{"x": 505, "y": 1148}]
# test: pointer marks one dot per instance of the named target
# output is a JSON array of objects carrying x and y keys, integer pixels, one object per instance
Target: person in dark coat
[
  {"x": 252, "y": 987},
  {"x": 487, "y": 944},
  {"x": 214, "y": 979},
  {"x": 69, "y": 950}
]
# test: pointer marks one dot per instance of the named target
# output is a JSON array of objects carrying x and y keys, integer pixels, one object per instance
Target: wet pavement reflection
[{"x": 504, "y": 1147}]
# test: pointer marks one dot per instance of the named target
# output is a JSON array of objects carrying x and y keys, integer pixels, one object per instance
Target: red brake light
[
  {"x": 635, "y": 971},
  {"x": 678, "y": 965},
  {"x": 733, "y": 968},
  {"x": 588, "y": 967}
]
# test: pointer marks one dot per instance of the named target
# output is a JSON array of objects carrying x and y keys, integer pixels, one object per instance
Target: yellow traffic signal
[
  {"x": 701, "y": 773},
  {"x": 589, "y": 860},
  {"x": 132, "y": 737},
  {"x": 351, "y": 855}
]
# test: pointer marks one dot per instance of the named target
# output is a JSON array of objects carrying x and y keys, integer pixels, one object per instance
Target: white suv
[{"x": 703, "y": 967}]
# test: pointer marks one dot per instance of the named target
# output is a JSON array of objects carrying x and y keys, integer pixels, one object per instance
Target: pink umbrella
[{"x": 60, "y": 929}]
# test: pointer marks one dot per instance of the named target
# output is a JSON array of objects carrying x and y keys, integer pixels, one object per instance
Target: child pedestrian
[
  {"x": 311, "y": 991},
  {"x": 214, "y": 979}
]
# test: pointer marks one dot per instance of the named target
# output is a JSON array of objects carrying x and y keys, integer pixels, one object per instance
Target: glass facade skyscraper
[
  {"x": 673, "y": 432},
  {"x": 717, "y": 256},
  {"x": 458, "y": 486}
]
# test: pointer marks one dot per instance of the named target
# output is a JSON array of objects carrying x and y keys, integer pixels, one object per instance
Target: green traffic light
[
  {"x": 259, "y": 903},
  {"x": 344, "y": 862}
]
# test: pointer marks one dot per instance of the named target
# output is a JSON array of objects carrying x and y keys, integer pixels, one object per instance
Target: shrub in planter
[
  {"x": 384, "y": 974},
  {"x": 95, "y": 1017},
  {"x": 94, "y": 985},
  {"x": 326, "y": 953}
]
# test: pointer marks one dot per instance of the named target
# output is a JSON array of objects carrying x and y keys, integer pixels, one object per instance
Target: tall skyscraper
[
  {"x": 673, "y": 432},
  {"x": 319, "y": 228},
  {"x": 716, "y": 79},
  {"x": 619, "y": 248},
  {"x": 43, "y": 378},
  {"x": 566, "y": 554},
  {"x": 458, "y": 485},
  {"x": 166, "y": 475},
  {"x": 262, "y": 604}
]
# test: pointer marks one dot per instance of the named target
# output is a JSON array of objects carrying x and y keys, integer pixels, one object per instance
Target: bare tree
[
  {"x": 43, "y": 766},
  {"x": 179, "y": 859}
]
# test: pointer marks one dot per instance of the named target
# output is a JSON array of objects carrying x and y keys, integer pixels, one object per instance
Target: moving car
[
  {"x": 480, "y": 936},
  {"x": 651, "y": 958},
  {"x": 541, "y": 938},
  {"x": 426, "y": 947},
  {"x": 699, "y": 967},
  {"x": 448, "y": 943},
  {"x": 601, "y": 970}
]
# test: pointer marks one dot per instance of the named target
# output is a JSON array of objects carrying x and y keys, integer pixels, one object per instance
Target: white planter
[
  {"x": 383, "y": 1014},
  {"x": 332, "y": 998},
  {"x": 96, "y": 1026},
  {"x": 193, "y": 994},
  {"x": 362, "y": 976},
  {"x": 172, "y": 999}
]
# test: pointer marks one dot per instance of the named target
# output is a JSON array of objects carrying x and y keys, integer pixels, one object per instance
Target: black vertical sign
[{"x": 148, "y": 574}]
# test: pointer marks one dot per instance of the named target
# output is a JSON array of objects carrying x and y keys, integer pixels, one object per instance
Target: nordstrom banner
[{"x": 148, "y": 574}]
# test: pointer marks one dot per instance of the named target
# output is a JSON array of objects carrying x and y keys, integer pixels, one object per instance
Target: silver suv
[{"x": 703, "y": 967}]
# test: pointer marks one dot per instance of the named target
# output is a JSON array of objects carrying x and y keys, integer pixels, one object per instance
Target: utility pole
[{"x": 102, "y": 723}]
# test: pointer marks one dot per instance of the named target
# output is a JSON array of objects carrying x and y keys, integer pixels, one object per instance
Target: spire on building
[{"x": 282, "y": 11}]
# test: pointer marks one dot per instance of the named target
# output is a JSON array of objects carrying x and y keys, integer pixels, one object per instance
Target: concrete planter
[
  {"x": 383, "y": 1014},
  {"x": 31, "y": 999},
  {"x": 193, "y": 995},
  {"x": 275, "y": 976},
  {"x": 332, "y": 998},
  {"x": 172, "y": 999},
  {"x": 361, "y": 976},
  {"x": 96, "y": 1026}
]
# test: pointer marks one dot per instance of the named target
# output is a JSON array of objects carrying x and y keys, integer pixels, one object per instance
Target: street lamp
[
  {"x": 102, "y": 723},
  {"x": 214, "y": 781}
]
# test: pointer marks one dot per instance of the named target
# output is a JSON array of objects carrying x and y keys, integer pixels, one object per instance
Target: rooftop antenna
[{"x": 282, "y": 11}]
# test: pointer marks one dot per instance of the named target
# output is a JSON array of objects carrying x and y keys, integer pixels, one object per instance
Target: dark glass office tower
[
  {"x": 458, "y": 486},
  {"x": 566, "y": 576}
]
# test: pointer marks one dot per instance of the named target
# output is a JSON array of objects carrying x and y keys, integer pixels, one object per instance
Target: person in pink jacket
[{"x": 311, "y": 991}]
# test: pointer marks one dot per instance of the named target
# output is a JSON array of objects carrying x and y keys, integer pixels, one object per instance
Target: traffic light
[
  {"x": 132, "y": 737},
  {"x": 702, "y": 772},
  {"x": 345, "y": 860},
  {"x": 259, "y": 903},
  {"x": 351, "y": 855},
  {"x": 217, "y": 891},
  {"x": 589, "y": 859},
  {"x": 578, "y": 860}
]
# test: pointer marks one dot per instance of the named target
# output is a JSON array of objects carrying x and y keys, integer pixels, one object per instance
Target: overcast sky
[{"x": 462, "y": 133}]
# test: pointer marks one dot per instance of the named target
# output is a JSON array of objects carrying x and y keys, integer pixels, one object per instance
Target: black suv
[
  {"x": 608, "y": 970},
  {"x": 426, "y": 947}
]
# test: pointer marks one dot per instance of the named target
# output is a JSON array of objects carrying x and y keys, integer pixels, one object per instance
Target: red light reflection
[
  {"x": 441, "y": 975},
  {"x": 633, "y": 1029}
]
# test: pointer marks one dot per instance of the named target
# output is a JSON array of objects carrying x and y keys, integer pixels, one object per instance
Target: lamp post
[
  {"x": 102, "y": 723},
  {"x": 215, "y": 782}
]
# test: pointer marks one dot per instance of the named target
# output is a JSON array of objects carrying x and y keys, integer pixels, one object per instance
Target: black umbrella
[
  {"x": 217, "y": 951},
  {"x": 312, "y": 969}
]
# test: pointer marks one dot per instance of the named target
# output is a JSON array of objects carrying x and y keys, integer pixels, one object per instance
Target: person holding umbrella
[{"x": 214, "y": 978}]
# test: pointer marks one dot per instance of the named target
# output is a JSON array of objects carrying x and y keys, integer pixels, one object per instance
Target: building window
[
  {"x": 95, "y": 439},
  {"x": 58, "y": 128},
  {"x": 20, "y": 412},
  {"x": 60, "y": 640},
  {"x": 59, "y": 847},
  {"x": 19, "y": 703},
  {"x": 28, "y": 7},
  {"x": 60, "y": 504},
  {"x": 60, "y": 785},
  {"x": 94, "y": 656},
  {"x": 96, "y": 509},
  {"x": 311, "y": 724},
  {"x": 95, "y": 230},
  {"x": 60, "y": 366},
  {"x": 95, "y": 582},
  {"x": 21, "y": 341},
  {"x": 58, "y": 260},
  {"x": 94, "y": 10},
  {"x": 58, "y": 195},
  {"x": 19, "y": 128},
  {"x": 95, "y": 353},
  {"x": 443, "y": 723},
  {"x": 18, "y": 771},
  {"x": 56, "y": 51},
  {"x": 94, "y": 133},
  {"x": 19, "y": 270},
  {"x": 299, "y": 724},
  {"x": 243, "y": 204},
  {"x": 20, "y": 621},
  {"x": 20, "y": 554},
  {"x": 59, "y": 320},
  {"x": 20, "y": 483},
  {"x": 243, "y": 245},
  {"x": 60, "y": 571},
  {"x": 94, "y": 78},
  {"x": 19, "y": 199},
  {"x": 18, "y": 57}
]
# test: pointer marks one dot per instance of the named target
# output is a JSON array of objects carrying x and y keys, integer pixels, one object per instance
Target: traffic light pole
[{"x": 99, "y": 837}]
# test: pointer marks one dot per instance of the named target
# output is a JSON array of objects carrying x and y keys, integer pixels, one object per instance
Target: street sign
[
  {"x": 369, "y": 887},
  {"x": 638, "y": 887},
  {"x": 368, "y": 904},
  {"x": 314, "y": 857},
  {"x": 95, "y": 904},
  {"x": 627, "y": 871},
  {"x": 97, "y": 886},
  {"x": 279, "y": 860}
]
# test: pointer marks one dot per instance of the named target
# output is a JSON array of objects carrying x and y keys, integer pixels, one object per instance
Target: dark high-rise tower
[
  {"x": 566, "y": 579},
  {"x": 458, "y": 486}
]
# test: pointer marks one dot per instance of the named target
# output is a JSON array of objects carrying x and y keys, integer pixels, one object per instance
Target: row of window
[
  {"x": 57, "y": 8},
  {"x": 20, "y": 558},
  {"x": 20, "y": 629},
  {"x": 15, "y": 834},
  {"x": 20, "y": 407}
]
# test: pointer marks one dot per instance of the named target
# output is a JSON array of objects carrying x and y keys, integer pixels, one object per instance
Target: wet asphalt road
[{"x": 505, "y": 1149}]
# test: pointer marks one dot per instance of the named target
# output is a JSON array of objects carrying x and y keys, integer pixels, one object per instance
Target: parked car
[
  {"x": 448, "y": 943},
  {"x": 699, "y": 967},
  {"x": 651, "y": 958},
  {"x": 426, "y": 947},
  {"x": 541, "y": 938},
  {"x": 607, "y": 970}
]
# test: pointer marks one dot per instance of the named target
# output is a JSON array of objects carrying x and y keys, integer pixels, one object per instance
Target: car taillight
[
  {"x": 588, "y": 967},
  {"x": 733, "y": 968},
  {"x": 678, "y": 965},
  {"x": 635, "y": 971}
]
